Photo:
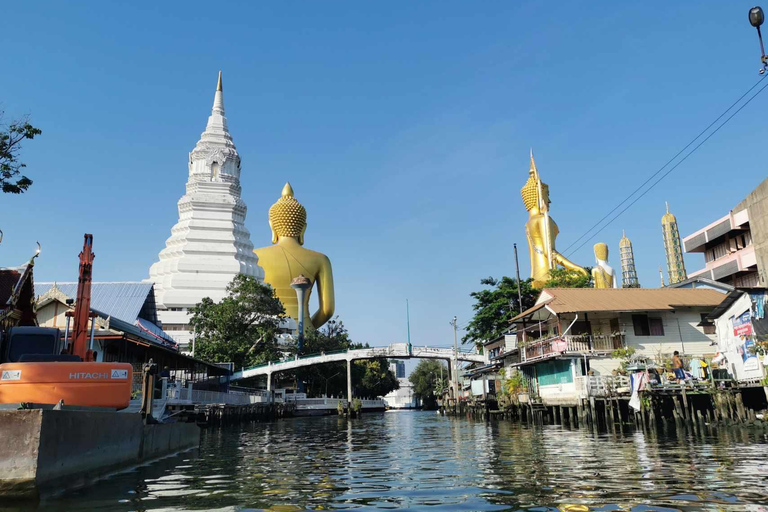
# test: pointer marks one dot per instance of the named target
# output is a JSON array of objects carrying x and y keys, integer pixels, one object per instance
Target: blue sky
[{"x": 404, "y": 128}]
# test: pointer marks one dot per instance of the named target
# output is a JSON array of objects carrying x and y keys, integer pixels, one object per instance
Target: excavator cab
[{"x": 33, "y": 344}]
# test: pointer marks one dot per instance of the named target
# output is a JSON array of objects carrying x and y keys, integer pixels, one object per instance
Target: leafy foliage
[
  {"x": 242, "y": 328},
  {"x": 11, "y": 137},
  {"x": 426, "y": 381},
  {"x": 513, "y": 385},
  {"x": 625, "y": 356},
  {"x": 495, "y": 306},
  {"x": 372, "y": 378},
  {"x": 565, "y": 278}
]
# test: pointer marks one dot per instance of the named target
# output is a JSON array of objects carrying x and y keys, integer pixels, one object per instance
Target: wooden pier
[{"x": 674, "y": 406}]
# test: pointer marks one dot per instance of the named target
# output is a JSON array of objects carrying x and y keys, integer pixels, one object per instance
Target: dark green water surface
[{"x": 426, "y": 462}]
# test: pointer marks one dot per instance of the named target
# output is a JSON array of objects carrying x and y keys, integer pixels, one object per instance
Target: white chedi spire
[{"x": 209, "y": 244}]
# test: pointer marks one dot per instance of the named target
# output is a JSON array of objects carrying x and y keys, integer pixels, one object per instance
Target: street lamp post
[
  {"x": 455, "y": 361},
  {"x": 301, "y": 284},
  {"x": 326, "y": 381},
  {"x": 756, "y": 18}
]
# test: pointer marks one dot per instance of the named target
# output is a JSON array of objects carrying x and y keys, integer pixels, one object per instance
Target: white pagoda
[{"x": 209, "y": 245}]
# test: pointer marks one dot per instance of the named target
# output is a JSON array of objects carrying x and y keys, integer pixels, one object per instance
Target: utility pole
[
  {"x": 408, "y": 323},
  {"x": 519, "y": 293},
  {"x": 455, "y": 360}
]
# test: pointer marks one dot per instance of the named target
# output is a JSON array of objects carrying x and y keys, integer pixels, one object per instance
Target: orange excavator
[{"x": 40, "y": 369}]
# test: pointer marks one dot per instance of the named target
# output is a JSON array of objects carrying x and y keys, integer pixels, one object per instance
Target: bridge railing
[{"x": 393, "y": 351}]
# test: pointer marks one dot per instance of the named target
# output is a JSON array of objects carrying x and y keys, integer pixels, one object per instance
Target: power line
[
  {"x": 673, "y": 167},
  {"x": 665, "y": 165}
]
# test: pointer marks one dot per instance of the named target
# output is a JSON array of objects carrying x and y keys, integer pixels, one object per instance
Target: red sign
[{"x": 742, "y": 326}]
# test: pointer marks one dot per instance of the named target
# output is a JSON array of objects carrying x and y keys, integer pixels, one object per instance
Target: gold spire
[
  {"x": 287, "y": 190},
  {"x": 668, "y": 217},
  {"x": 218, "y": 86}
]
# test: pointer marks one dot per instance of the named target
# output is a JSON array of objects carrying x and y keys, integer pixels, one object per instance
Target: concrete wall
[
  {"x": 160, "y": 440},
  {"x": 19, "y": 442},
  {"x": 756, "y": 203},
  {"x": 77, "y": 442},
  {"x": 45, "y": 448}
]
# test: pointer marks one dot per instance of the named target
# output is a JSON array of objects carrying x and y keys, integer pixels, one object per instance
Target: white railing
[
  {"x": 579, "y": 344},
  {"x": 602, "y": 385},
  {"x": 319, "y": 403},
  {"x": 324, "y": 404},
  {"x": 178, "y": 394},
  {"x": 373, "y": 404}
]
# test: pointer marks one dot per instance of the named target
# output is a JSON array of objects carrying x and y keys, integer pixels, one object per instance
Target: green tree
[
  {"x": 426, "y": 381},
  {"x": 495, "y": 306},
  {"x": 242, "y": 328},
  {"x": 370, "y": 377},
  {"x": 564, "y": 278},
  {"x": 330, "y": 378},
  {"x": 11, "y": 137}
]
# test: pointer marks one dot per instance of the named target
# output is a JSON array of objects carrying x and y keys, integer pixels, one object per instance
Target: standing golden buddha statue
[
  {"x": 287, "y": 259},
  {"x": 541, "y": 230},
  {"x": 603, "y": 275}
]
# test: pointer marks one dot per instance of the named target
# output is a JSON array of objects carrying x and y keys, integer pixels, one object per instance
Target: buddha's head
[
  {"x": 530, "y": 191},
  {"x": 287, "y": 217},
  {"x": 601, "y": 251}
]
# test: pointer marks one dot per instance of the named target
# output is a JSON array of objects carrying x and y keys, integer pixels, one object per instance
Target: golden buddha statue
[
  {"x": 287, "y": 259},
  {"x": 603, "y": 275},
  {"x": 541, "y": 230}
]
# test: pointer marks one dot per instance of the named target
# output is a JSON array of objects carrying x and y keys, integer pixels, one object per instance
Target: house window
[
  {"x": 645, "y": 326},
  {"x": 656, "y": 326},
  {"x": 707, "y": 325},
  {"x": 640, "y": 322}
]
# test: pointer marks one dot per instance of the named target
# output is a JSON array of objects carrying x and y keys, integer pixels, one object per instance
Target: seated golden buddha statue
[
  {"x": 287, "y": 259},
  {"x": 603, "y": 275},
  {"x": 541, "y": 230}
]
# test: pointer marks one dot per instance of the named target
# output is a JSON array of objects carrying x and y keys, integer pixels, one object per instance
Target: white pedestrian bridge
[{"x": 394, "y": 351}]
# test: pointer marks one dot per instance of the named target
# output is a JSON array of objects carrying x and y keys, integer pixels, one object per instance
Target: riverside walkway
[{"x": 393, "y": 351}]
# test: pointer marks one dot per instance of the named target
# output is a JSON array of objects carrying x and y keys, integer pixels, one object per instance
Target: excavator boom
[{"x": 83, "y": 302}]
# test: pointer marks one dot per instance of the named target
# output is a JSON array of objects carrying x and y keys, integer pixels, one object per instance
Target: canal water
[{"x": 427, "y": 462}]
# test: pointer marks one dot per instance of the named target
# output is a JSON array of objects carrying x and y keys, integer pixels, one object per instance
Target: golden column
[
  {"x": 541, "y": 230},
  {"x": 673, "y": 248},
  {"x": 287, "y": 259}
]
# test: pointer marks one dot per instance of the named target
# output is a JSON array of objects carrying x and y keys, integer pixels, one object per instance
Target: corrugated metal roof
[
  {"x": 575, "y": 300},
  {"x": 121, "y": 300}
]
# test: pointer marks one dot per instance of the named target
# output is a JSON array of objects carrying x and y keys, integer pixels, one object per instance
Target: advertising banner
[{"x": 742, "y": 325}]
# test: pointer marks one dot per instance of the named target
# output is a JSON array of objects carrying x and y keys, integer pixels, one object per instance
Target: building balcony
[{"x": 581, "y": 344}]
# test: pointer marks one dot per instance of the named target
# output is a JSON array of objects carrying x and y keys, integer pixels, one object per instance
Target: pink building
[{"x": 735, "y": 247}]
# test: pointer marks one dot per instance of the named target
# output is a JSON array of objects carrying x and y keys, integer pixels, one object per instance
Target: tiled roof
[
  {"x": 122, "y": 300},
  {"x": 574, "y": 300}
]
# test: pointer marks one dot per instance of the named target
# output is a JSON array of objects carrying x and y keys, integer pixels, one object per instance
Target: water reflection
[{"x": 422, "y": 461}]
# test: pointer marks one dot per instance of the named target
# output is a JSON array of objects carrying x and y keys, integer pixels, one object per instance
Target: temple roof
[{"x": 126, "y": 301}]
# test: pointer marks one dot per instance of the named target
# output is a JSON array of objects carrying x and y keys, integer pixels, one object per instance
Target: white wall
[
  {"x": 681, "y": 333},
  {"x": 733, "y": 347},
  {"x": 603, "y": 365}
]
